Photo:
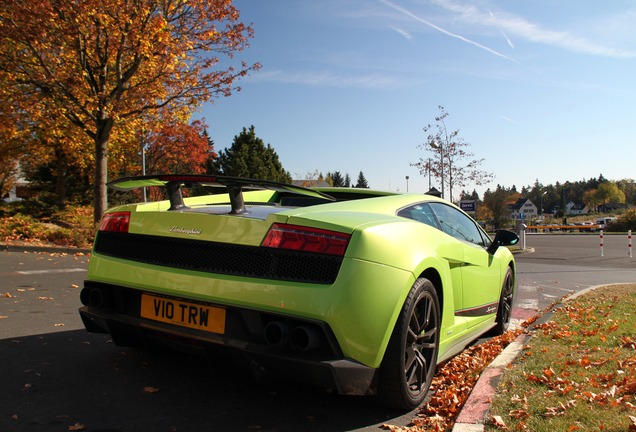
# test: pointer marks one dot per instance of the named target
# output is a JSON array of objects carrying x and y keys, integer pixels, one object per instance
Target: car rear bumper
[{"x": 324, "y": 366}]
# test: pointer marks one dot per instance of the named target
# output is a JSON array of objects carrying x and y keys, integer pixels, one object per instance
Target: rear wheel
[
  {"x": 505, "y": 304},
  {"x": 411, "y": 357}
]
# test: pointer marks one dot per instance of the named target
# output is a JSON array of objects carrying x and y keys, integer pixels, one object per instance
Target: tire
[
  {"x": 502, "y": 322},
  {"x": 410, "y": 360}
]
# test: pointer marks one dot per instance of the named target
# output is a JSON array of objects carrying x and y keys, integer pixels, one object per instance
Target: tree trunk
[
  {"x": 60, "y": 181},
  {"x": 100, "y": 199}
]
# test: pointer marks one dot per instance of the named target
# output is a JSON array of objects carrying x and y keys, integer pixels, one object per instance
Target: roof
[{"x": 520, "y": 202}]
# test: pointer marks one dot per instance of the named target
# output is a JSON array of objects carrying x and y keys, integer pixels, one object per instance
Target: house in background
[
  {"x": 18, "y": 191},
  {"x": 572, "y": 208},
  {"x": 523, "y": 209},
  {"x": 610, "y": 207}
]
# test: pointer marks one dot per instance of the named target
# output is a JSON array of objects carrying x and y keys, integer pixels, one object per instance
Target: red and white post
[
  {"x": 601, "y": 242},
  {"x": 629, "y": 237}
]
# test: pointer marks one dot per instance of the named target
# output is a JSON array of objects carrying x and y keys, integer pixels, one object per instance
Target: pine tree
[
  {"x": 337, "y": 179},
  {"x": 362, "y": 182},
  {"x": 249, "y": 158}
]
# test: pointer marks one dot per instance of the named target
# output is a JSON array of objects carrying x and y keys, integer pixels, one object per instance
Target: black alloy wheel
[
  {"x": 504, "y": 312},
  {"x": 411, "y": 357}
]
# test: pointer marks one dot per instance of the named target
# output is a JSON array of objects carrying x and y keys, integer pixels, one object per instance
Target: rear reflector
[
  {"x": 115, "y": 222},
  {"x": 298, "y": 238}
]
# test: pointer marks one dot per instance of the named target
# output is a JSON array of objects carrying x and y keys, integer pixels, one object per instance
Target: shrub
[
  {"x": 624, "y": 223},
  {"x": 15, "y": 225}
]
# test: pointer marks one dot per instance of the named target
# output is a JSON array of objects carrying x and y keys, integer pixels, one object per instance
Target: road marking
[
  {"x": 37, "y": 272},
  {"x": 528, "y": 304}
]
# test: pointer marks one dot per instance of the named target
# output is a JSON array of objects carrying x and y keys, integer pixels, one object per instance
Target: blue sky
[{"x": 542, "y": 89}]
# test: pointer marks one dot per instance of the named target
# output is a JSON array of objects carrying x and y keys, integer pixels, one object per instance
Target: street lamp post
[
  {"x": 407, "y": 184},
  {"x": 541, "y": 214}
]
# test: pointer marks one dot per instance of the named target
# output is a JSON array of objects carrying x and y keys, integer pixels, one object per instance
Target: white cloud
[
  {"x": 406, "y": 12},
  {"x": 330, "y": 79},
  {"x": 402, "y": 32},
  {"x": 525, "y": 29}
]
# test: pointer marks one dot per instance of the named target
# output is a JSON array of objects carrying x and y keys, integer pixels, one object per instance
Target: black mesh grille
[{"x": 222, "y": 258}]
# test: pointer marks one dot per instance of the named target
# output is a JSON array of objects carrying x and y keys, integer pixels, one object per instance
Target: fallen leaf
[
  {"x": 7, "y": 295},
  {"x": 77, "y": 427},
  {"x": 15, "y": 417},
  {"x": 59, "y": 325},
  {"x": 151, "y": 390},
  {"x": 74, "y": 286},
  {"x": 498, "y": 422}
]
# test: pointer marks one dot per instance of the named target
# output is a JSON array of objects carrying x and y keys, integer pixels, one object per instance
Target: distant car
[
  {"x": 603, "y": 223},
  {"x": 359, "y": 290}
]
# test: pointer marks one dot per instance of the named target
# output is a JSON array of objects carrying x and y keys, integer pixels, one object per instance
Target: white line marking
[{"x": 35, "y": 272}]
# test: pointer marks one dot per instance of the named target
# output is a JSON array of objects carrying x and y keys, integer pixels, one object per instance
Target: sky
[{"x": 541, "y": 89}]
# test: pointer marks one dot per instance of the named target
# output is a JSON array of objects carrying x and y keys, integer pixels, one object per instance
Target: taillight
[
  {"x": 115, "y": 222},
  {"x": 305, "y": 239}
]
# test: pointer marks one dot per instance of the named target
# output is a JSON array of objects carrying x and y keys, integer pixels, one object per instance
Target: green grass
[{"x": 578, "y": 371}]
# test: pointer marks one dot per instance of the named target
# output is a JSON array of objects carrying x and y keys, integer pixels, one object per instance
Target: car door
[
  {"x": 480, "y": 271},
  {"x": 423, "y": 213}
]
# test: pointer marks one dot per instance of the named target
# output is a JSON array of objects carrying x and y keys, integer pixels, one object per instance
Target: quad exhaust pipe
[{"x": 302, "y": 338}]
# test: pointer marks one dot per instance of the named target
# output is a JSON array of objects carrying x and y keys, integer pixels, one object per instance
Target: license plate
[{"x": 185, "y": 314}]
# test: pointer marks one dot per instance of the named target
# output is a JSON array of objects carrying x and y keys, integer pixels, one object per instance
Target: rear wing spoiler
[{"x": 233, "y": 185}]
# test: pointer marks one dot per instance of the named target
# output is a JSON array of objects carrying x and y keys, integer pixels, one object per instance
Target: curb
[
  {"x": 523, "y": 252},
  {"x": 473, "y": 413},
  {"x": 66, "y": 250}
]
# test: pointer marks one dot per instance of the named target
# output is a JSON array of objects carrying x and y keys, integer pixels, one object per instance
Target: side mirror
[{"x": 503, "y": 238}]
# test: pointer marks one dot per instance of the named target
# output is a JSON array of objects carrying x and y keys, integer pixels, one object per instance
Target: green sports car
[{"x": 359, "y": 290}]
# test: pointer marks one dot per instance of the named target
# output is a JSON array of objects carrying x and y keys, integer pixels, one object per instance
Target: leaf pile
[
  {"x": 27, "y": 229},
  {"x": 453, "y": 383},
  {"x": 579, "y": 370}
]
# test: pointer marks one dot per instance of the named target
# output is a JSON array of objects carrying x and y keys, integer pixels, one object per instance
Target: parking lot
[{"x": 56, "y": 375}]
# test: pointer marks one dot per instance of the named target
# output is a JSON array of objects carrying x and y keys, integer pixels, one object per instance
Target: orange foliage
[{"x": 104, "y": 64}]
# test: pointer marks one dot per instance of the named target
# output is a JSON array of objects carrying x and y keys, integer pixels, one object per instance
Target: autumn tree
[
  {"x": 451, "y": 163},
  {"x": 609, "y": 192},
  {"x": 249, "y": 157},
  {"x": 102, "y": 64},
  {"x": 497, "y": 204},
  {"x": 177, "y": 149},
  {"x": 9, "y": 150},
  {"x": 309, "y": 179}
]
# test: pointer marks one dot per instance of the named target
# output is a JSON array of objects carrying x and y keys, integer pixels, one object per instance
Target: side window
[
  {"x": 485, "y": 237},
  {"x": 421, "y": 213},
  {"x": 457, "y": 224}
]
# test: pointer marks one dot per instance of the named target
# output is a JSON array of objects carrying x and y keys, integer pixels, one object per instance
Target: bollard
[
  {"x": 629, "y": 238},
  {"x": 601, "y": 242}
]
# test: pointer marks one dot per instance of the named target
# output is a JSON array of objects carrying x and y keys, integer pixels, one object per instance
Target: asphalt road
[
  {"x": 54, "y": 374},
  {"x": 562, "y": 264}
]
